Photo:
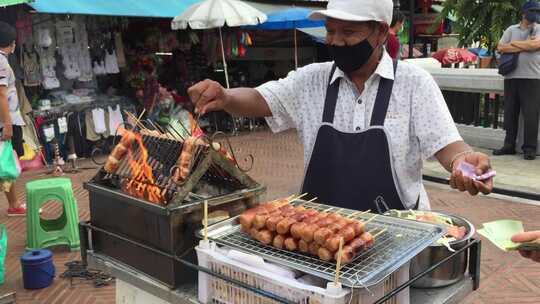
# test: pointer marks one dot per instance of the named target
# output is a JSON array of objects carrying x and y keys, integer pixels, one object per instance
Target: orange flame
[{"x": 142, "y": 180}]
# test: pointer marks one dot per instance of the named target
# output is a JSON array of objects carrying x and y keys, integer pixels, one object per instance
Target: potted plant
[{"x": 482, "y": 21}]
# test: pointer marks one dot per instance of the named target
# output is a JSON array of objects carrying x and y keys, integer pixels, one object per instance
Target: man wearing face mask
[
  {"x": 522, "y": 86},
  {"x": 365, "y": 121}
]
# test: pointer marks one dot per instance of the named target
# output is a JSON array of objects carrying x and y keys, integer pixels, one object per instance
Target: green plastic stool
[{"x": 64, "y": 230}]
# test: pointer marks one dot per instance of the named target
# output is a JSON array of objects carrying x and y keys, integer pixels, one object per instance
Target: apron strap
[
  {"x": 330, "y": 101},
  {"x": 383, "y": 99}
]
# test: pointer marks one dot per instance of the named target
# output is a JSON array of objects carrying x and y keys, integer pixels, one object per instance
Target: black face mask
[{"x": 350, "y": 58}]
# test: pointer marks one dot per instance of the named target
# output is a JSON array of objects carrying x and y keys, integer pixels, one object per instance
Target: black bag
[{"x": 508, "y": 63}]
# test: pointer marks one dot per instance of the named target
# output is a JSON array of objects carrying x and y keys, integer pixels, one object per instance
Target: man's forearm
[
  {"x": 527, "y": 45},
  {"x": 508, "y": 48},
  {"x": 5, "y": 117},
  {"x": 246, "y": 102},
  {"x": 446, "y": 155}
]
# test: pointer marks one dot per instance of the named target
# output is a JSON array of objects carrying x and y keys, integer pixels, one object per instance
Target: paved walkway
[{"x": 506, "y": 278}]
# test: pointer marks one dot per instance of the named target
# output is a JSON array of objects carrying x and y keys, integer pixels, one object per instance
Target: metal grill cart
[
  {"x": 144, "y": 234},
  {"x": 379, "y": 275}
]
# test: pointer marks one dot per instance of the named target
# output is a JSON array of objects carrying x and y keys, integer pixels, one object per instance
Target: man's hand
[
  {"x": 207, "y": 96},
  {"x": 7, "y": 132},
  {"x": 482, "y": 164},
  {"x": 528, "y": 237}
]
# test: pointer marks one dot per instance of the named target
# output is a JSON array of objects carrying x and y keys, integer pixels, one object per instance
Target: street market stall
[{"x": 148, "y": 201}]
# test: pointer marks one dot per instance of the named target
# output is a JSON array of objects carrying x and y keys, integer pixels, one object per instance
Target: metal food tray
[{"x": 402, "y": 240}]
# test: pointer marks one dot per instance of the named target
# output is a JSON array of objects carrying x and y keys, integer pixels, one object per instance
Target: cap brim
[{"x": 335, "y": 14}]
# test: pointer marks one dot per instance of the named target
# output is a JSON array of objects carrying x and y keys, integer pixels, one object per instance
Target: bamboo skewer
[
  {"x": 379, "y": 233},
  {"x": 312, "y": 200},
  {"x": 140, "y": 116},
  {"x": 358, "y": 213},
  {"x": 371, "y": 219},
  {"x": 338, "y": 264},
  {"x": 136, "y": 120},
  {"x": 205, "y": 220},
  {"x": 297, "y": 198}
]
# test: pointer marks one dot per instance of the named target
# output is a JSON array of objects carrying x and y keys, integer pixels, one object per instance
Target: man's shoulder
[
  {"x": 312, "y": 72},
  {"x": 316, "y": 67},
  {"x": 4, "y": 66},
  {"x": 4, "y": 63},
  {"x": 407, "y": 71},
  {"x": 513, "y": 27}
]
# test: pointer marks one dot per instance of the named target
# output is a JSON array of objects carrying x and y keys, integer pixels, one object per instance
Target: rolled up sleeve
[
  {"x": 433, "y": 124},
  {"x": 4, "y": 75}
]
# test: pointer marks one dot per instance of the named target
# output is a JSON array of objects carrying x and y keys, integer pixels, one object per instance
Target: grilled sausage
[
  {"x": 308, "y": 232},
  {"x": 314, "y": 248},
  {"x": 332, "y": 243},
  {"x": 284, "y": 226},
  {"x": 260, "y": 219},
  {"x": 291, "y": 244},
  {"x": 297, "y": 229},
  {"x": 368, "y": 239},
  {"x": 325, "y": 254},
  {"x": 316, "y": 218},
  {"x": 254, "y": 233},
  {"x": 246, "y": 218},
  {"x": 357, "y": 245},
  {"x": 112, "y": 164},
  {"x": 272, "y": 222},
  {"x": 347, "y": 255},
  {"x": 266, "y": 237},
  {"x": 279, "y": 241},
  {"x": 119, "y": 151},
  {"x": 303, "y": 246},
  {"x": 358, "y": 227},
  {"x": 325, "y": 222},
  {"x": 185, "y": 159},
  {"x": 321, "y": 235},
  {"x": 127, "y": 139}
]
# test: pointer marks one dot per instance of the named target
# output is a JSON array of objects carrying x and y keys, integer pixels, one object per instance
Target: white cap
[{"x": 357, "y": 10}]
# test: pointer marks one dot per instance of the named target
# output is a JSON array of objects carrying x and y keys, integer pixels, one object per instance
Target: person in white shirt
[
  {"x": 10, "y": 115},
  {"x": 366, "y": 122}
]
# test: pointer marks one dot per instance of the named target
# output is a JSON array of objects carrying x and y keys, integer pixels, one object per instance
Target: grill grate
[{"x": 402, "y": 240}]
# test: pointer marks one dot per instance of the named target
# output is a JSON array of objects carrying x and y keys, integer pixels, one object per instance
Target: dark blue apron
[{"x": 354, "y": 170}]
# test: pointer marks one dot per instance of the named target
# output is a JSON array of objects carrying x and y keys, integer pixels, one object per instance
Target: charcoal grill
[
  {"x": 401, "y": 241},
  {"x": 169, "y": 225}
]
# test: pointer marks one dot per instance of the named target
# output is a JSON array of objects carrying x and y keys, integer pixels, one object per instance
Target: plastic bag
[
  {"x": 3, "y": 253},
  {"x": 9, "y": 166}
]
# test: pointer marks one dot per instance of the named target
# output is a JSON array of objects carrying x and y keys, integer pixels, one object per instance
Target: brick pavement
[{"x": 505, "y": 277}]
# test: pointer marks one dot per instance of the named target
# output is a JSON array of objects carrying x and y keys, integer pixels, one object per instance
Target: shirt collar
[
  {"x": 3, "y": 53},
  {"x": 385, "y": 69}
]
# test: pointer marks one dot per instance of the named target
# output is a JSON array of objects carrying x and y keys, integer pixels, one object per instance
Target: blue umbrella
[{"x": 291, "y": 18}]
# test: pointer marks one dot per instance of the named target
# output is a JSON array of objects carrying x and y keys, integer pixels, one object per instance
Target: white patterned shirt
[{"x": 418, "y": 121}]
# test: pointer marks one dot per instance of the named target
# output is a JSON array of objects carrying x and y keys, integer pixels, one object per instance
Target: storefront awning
[
  {"x": 4, "y": 3},
  {"x": 126, "y": 8},
  {"x": 317, "y": 33}
]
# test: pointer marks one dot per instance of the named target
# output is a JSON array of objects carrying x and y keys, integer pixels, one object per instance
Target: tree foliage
[{"x": 482, "y": 21}]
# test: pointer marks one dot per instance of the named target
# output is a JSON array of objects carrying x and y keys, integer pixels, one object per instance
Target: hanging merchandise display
[
  {"x": 85, "y": 63},
  {"x": 69, "y": 50},
  {"x": 44, "y": 37},
  {"x": 120, "y": 53},
  {"x": 111, "y": 63},
  {"x": 46, "y": 51},
  {"x": 30, "y": 66},
  {"x": 115, "y": 119}
]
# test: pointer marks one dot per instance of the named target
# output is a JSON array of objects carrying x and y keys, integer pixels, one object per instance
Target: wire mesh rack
[{"x": 400, "y": 242}]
